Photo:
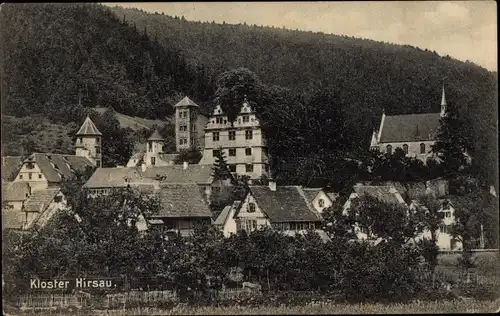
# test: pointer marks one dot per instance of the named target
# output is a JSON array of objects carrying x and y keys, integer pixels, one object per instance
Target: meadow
[{"x": 455, "y": 306}]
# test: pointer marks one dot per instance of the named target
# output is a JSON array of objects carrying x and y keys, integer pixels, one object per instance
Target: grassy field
[{"x": 457, "y": 306}]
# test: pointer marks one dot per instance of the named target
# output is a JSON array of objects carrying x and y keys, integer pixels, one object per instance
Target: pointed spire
[
  {"x": 443, "y": 97},
  {"x": 156, "y": 136},
  {"x": 88, "y": 128}
]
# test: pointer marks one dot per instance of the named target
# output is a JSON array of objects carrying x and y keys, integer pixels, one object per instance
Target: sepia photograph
[{"x": 245, "y": 158}]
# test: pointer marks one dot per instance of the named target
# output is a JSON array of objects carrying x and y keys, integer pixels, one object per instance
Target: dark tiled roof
[
  {"x": 382, "y": 193},
  {"x": 40, "y": 200},
  {"x": 286, "y": 204},
  {"x": 408, "y": 190},
  {"x": 182, "y": 200},
  {"x": 410, "y": 128},
  {"x": 10, "y": 167},
  {"x": 200, "y": 174},
  {"x": 156, "y": 136},
  {"x": 113, "y": 177},
  {"x": 12, "y": 219},
  {"x": 311, "y": 193},
  {"x": 186, "y": 102},
  {"x": 54, "y": 166},
  {"x": 88, "y": 128},
  {"x": 15, "y": 191}
]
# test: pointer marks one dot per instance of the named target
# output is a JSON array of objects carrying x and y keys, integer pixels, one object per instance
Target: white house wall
[{"x": 37, "y": 181}]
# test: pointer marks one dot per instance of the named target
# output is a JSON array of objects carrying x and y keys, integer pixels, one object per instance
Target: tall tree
[{"x": 220, "y": 168}]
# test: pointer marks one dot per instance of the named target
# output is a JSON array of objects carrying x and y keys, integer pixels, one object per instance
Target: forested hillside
[{"x": 58, "y": 59}]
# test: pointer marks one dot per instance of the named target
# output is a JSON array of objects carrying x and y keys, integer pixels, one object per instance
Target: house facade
[
  {"x": 242, "y": 142},
  {"x": 413, "y": 133},
  {"x": 320, "y": 199},
  {"x": 281, "y": 207}
]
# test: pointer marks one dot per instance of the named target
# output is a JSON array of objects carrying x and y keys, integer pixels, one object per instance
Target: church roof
[
  {"x": 410, "y": 128},
  {"x": 88, "y": 128},
  {"x": 156, "y": 136},
  {"x": 186, "y": 102}
]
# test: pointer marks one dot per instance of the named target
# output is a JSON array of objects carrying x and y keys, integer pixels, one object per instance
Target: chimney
[
  {"x": 272, "y": 185},
  {"x": 143, "y": 167},
  {"x": 185, "y": 165}
]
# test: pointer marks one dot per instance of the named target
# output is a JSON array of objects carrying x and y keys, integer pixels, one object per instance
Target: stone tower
[
  {"x": 154, "y": 147},
  {"x": 88, "y": 142},
  {"x": 186, "y": 124}
]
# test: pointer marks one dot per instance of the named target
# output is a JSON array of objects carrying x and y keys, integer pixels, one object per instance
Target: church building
[{"x": 413, "y": 133}]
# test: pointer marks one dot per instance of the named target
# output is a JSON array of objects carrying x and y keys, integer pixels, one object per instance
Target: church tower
[
  {"x": 88, "y": 142},
  {"x": 443, "y": 103}
]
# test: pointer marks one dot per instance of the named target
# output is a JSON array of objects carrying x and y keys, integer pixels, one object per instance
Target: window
[
  {"x": 215, "y": 136},
  {"x": 218, "y": 120},
  {"x": 248, "y": 134},
  {"x": 39, "y": 176},
  {"x": 98, "y": 140},
  {"x": 150, "y": 146},
  {"x": 98, "y": 163},
  {"x": 248, "y": 151},
  {"x": 183, "y": 128},
  {"x": 251, "y": 208},
  {"x": 321, "y": 203},
  {"x": 216, "y": 152},
  {"x": 30, "y": 165},
  {"x": 422, "y": 148},
  {"x": 29, "y": 175},
  {"x": 225, "y": 122},
  {"x": 249, "y": 168},
  {"x": 232, "y": 152},
  {"x": 153, "y": 161},
  {"x": 245, "y": 119},
  {"x": 182, "y": 141},
  {"x": 216, "y": 190},
  {"x": 20, "y": 177},
  {"x": 232, "y": 168},
  {"x": 389, "y": 149},
  {"x": 80, "y": 140},
  {"x": 232, "y": 135},
  {"x": 98, "y": 149},
  {"x": 447, "y": 214},
  {"x": 57, "y": 199},
  {"x": 405, "y": 149}
]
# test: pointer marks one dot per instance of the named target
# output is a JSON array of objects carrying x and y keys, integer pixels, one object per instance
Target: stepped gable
[
  {"x": 286, "y": 204},
  {"x": 56, "y": 166},
  {"x": 88, "y": 128},
  {"x": 182, "y": 200},
  {"x": 410, "y": 128}
]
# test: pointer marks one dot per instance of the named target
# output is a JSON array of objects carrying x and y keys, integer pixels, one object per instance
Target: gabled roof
[
  {"x": 200, "y": 174},
  {"x": 409, "y": 190},
  {"x": 182, "y": 200},
  {"x": 114, "y": 178},
  {"x": 286, "y": 204},
  {"x": 387, "y": 194},
  {"x": 54, "y": 166},
  {"x": 40, "y": 200},
  {"x": 156, "y": 136},
  {"x": 13, "y": 219},
  {"x": 15, "y": 191},
  {"x": 410, "y": 127},
  {"x": 10, "y": 167},
  {"x": 186, "y": 102},
  {"x": 224, "y": 215},
  {"x": 88, "y": 128},
  {"x": 311, "y": 193}
]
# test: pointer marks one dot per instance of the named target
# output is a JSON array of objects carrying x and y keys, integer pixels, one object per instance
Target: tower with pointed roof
[
  {"x": 443, "y": 103},
  {"x": 154, "y": 148},
  {"x": 88, "y": 142},
  {"x": 189, "y": 124}
]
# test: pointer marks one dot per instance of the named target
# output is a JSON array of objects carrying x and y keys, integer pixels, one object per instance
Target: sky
[{"x": 465, "y": 30}]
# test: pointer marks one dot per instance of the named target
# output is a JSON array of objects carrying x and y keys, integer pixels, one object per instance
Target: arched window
[
  {"x": 422, "y": 148},
  {"x": 389, "y": 149},
  {"x": 405, "y": 149}
]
